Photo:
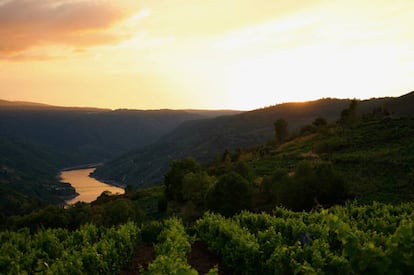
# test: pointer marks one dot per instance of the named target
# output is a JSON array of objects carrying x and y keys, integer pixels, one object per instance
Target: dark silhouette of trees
[
  {"x": 320, "y": 122},
  {"x": 274, "y": 184},
  {"x": 281, "y": 130},
  {"x": 349, "y": 115},
  {"x": 231, "y": 194},
  {"x": 174, "y": 178},
  {"x": 310, "y": 185},
  {"x": 196, "y": 187}
]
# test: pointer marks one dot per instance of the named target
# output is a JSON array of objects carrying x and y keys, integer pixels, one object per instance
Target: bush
[
  {"x": 231, "y": 194},
  {"x": 310, "y": 185},
  {"x": 150, "y": 231},
  {"x": 175, "y": 177}
]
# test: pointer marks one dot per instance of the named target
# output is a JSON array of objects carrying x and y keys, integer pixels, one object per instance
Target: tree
[
  {"x": 312, "y": 184},
  {"x": 244, "y": 170},
  {"x": 274, "y": 185},
  {"x": 349, "y": 115},
  {"x": 281, "y": 130},
  {"x": 196, "y": 186},
  {"x": 174, "y": 178},
  {"x": 320, "y": 122},
  {"x": 231, "y": 194}
]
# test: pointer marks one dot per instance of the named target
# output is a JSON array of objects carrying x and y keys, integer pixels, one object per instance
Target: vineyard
[
  {"x": 88, "y": 250},
  {"x": 351, "y": 239},
  {"x": 375, "y": 239}
]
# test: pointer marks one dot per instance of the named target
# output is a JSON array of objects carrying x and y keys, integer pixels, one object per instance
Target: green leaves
[
  {"x": 350, "y": 239},
  {"x": 373, "y": 239},
  {"x": 88, "y": 250},
  {"x": 237, "y": 247},
  {"x": 172, "y": 249}
]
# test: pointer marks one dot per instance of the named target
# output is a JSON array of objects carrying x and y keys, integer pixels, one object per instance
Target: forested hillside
[
  {"x": 38, "y": 140},
  {"x": 204, "y": 140},
  {"x": 28, "y": 177},
  {"x": 85, "y": 135}
]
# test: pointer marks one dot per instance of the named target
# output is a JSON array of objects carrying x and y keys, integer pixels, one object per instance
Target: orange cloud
[{"x": 25, "y": 24}]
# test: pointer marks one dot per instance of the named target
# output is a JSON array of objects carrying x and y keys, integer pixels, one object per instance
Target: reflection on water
[{"x": 88, "y": 188}]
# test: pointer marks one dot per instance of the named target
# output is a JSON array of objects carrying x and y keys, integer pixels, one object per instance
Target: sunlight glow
[{"x": 173, "y": 55}]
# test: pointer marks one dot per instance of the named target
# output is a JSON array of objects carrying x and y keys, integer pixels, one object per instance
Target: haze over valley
[{"x": 135, "y": 147}]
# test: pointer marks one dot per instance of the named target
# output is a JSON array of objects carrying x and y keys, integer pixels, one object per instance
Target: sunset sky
[{"x": 206, "y": 54}]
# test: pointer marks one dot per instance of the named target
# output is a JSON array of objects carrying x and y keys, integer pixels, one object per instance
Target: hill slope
[
  {"x": 28, "y": 177},
  {"x": 37, "y": 140},
  {"x": 87, "y": 135},
  {"x": 373, "y": 158},
  {"x": 206, "y": 139}
]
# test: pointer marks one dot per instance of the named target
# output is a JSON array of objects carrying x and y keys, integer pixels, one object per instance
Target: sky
[{"x": 203, "y": 54}]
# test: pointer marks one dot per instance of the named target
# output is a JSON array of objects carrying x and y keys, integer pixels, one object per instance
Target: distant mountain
[
  {"x": 5, "y": 104},
  {"x": 86, "y": 135},
  {"x": 207, "y": 139},
  {"x": 19, "y": 103},
  {"x": 37, "y": 140}
]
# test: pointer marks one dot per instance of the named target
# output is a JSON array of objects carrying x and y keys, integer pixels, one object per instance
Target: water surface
[{"x": 88, "y": 188}]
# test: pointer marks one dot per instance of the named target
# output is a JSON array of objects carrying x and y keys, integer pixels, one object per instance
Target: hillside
[
  {"x": 28, "y": 177},
  {"x": 335, "y": 198},
  {"x": 373, "y": 159},
  {"x": 86, "y": 135},
  {"x": 205, "y": 140},
  {"x": 234, "y": 215},
  {"x": 37, "y": 140}
]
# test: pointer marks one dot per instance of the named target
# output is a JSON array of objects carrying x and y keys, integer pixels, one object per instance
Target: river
[{"x": 88, "y": 188}]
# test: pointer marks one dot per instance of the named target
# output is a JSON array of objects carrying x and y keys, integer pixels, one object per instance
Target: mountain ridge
[{"x": 204, "y": 140}]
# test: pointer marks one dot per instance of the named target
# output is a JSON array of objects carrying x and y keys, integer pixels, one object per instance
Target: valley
[
  {"x": 214, "y": 137},
  {"x": 316, "y": 187}
]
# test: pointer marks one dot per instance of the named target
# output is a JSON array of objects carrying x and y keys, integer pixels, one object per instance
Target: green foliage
[
  {"x": 88, "y": 250},
  {"x": 351, "y": 239},
  {"x": 171, "y": 250},
  {"x": 174, "y": 178},
  {"x": 371, "y": 160},
  {"x": 231, "y": 194},
  {"x": 115, "y": 212},
  {"x": 313, "y": 183},
  {"x": 274, "y": 185},
  {"x": 150, "y": 231},
  {"x": 106, "y": 211},
  {"x": 162, "y": 204},
  {"x": 237, "y": 247},
  {"x": 196, "y": 186},
  {"x": 310, "y": 185},
  {"x": 244, "y": 170}
]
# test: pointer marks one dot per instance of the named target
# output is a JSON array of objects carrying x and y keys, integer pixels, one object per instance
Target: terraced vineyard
[
  {"x": 374, "y": 239},
  {"x": 350, "y": 239}
]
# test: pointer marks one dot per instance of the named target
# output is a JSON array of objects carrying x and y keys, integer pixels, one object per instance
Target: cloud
[
  {"x": 25, "y": 24},
  {"x": 183, "y": 18}
]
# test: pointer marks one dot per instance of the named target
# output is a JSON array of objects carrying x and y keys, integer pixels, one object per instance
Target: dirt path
[
  {"x": 144, "y": 254},
  {"x": 199, "y": 258},
  {"x": 203, "y": 260}
]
